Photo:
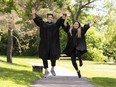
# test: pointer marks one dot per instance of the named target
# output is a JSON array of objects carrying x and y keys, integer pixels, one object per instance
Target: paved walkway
[{"x": 64, "y": 78}]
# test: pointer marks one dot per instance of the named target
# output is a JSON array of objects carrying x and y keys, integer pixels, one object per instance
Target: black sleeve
[
  {"x": 86, "y": 27},
  {"x": 60, "y": 22},
  {"x": 38, "y": 21},
  {"x": 66, "y": 28}
]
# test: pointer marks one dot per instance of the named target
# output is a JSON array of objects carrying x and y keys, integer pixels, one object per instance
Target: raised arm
[
  {"x": 38, "y": 20},
  {"x": 86, "y": 27},
  {"x": 60, "y": 22},
  {"x": 33, "y": 11},
  {"x": 66, "y": 25},
  {"x": 94, "y": 21}
]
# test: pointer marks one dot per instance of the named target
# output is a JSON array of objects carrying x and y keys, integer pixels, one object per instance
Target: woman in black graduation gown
[
  {"x": 49, "y": 47},
  {"x": 76, "y": 45}
]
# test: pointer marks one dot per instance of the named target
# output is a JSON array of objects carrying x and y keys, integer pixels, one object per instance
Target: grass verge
[
  {"x": 19, "y": 73},
  {"x": 100, "y": 74}
]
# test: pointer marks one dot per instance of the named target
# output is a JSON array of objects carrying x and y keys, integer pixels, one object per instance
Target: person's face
[
  {"x": 76, "y": 25},
  {"x": 50, "y": 18}
]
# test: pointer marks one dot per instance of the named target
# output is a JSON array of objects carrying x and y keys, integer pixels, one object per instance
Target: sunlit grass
[
  {"x": 92, "y": 69},
  {"x": 101, "y": 74},
  {"x": 19, "y": 73}
]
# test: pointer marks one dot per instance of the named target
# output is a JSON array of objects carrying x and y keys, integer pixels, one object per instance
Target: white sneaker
[
  {"x": 46, "y": 74},
  {"x": 53, "y": 72}
]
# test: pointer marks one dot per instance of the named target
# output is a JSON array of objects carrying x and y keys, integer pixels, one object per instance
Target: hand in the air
[{"x": 33, "y": 10}]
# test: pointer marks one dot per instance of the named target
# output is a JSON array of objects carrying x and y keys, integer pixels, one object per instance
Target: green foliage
[
  {"x": 8, "y": 5},
  {"x": 0, "y": 35},
  {"x": 59, "y": 2},
  {"x": 3, "y": 44},
  {"x": 27, "y": 12},
  {"x": 101, "y": 39},
  {"x": 32, "y": 48},
  {"x": 95, "y": 45},
  {"x": 94, "y": 38},
  {"x": 97, "y": 55},
  {"x": 109, "y": 46},
  {"x": 63, "y": 39}
]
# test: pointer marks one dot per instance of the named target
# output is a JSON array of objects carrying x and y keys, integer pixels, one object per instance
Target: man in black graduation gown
[{"x": 49, "y": 47}]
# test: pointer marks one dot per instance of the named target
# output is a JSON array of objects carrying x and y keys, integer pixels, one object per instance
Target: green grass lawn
[
  {"x": 18, "y": 74},
  {"x": 101, "y": 74}
]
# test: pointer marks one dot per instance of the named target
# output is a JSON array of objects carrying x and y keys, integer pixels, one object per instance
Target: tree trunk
[
  {"x": 9, "y": 46},
  {"x": 72, "y": 15},
  {"x": 78, "y": 13}
]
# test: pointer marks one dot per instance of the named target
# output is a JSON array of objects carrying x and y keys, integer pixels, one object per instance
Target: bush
[
  {"x": 97, "y": 55},
  {"x": 3, "y": 44}
]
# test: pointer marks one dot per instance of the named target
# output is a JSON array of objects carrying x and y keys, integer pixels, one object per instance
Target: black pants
[
  {"x": 45, "y": 63},
  {"x": 75, "y": 53}
]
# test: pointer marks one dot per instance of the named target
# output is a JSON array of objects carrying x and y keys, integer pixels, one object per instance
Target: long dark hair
[{"x": 78, "y": 34}]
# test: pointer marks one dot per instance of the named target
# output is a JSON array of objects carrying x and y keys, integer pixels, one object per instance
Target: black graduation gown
[
  {"x": 49, "y": 46},
  {"x": 74, "y": 43}
]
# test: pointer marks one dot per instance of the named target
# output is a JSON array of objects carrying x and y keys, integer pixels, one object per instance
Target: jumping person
[
  {"x": 76, "y": 45},
  {"x": 49, "y": 47}
]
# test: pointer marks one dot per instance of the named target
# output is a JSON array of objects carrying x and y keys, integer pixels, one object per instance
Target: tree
[
  {"x": 78, "y": 8},
  {"x": 25, "y": 31},
  {"x": 110, "y": 35},
  {"x": 10, "y": 42},
  {"x": 9, "y": 6}
]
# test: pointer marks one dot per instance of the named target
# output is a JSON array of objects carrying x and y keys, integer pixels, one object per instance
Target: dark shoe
[{"x": 79, "y": 74}]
